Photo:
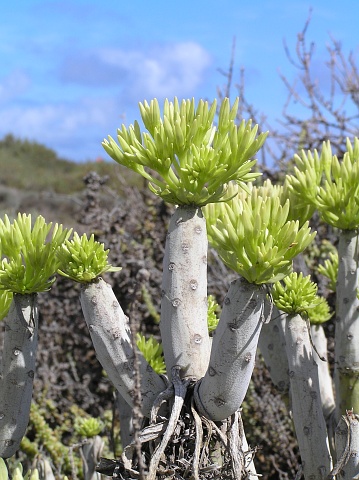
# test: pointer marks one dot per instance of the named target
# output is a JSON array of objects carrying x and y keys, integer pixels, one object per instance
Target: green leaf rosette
[
  {"x": 30, "y": 262},
  {"x": 298, "y": 295},
  {"x": 88, "y": 427},
  {"x": 330, "y": 270},
  {"x": 152, "y": 350},
  {"x": 253, "y": 236},
  {"x": 5, "y": 302},
  {"x": 184, "y": 156},
  {"x": 83, "y": 259},
  {"x": 329, "y": 185}
]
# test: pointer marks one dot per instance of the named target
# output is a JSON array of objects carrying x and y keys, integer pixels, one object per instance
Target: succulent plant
[
  {"x": 83, "y": 259},
  {"x": 184, "y": 156}
]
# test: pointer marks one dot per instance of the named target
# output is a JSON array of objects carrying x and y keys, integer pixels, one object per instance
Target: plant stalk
[
  {"x": 347, "y": 443},
  {"x": 111, "y": 337},
  {"x": 18, "y": 371},
  {"x": 325, "y": 378},
  {"x": 307, "y": 410},
  {"x": 346, "y": 374},
  {"x": 222, "y": 390},
  {"x": 272, "y": 347},
  {"x": 183, "y": 324}
]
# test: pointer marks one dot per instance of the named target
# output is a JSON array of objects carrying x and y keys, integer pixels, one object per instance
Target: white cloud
[
  {"x": 74, "y": 130},
  {"x": 163, "y": 71}
]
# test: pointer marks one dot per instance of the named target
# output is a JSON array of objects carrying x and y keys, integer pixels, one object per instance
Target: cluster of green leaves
[
  {"x": 253, "y": 235},
  {"x": 17, "y": 473},
  {"x": 330, "y": 270},
  {"x": 152, "y": 350},
  {"x": 298, "y": 295},
  {"x": 83, "y": 259},
  {"x": 185, "y": 158},
  {"x": 212, "y": 317},
  {"x": 5, "y": 302},
  {"x": 329, "y": 185},
  {"x": 29, "y": 261},
  {"x": 88, "y": 427}
]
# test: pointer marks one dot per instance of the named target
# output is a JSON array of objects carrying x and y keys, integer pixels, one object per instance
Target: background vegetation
[{"x": 70, "y": 381}]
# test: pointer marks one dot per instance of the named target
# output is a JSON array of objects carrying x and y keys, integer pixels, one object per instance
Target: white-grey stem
[
  {"x": 346, "y": 374},
  {"x": 16, "y": 382},
  {"x": 271, "y": 344},
  {"x": 125, "y": 414},
  {"x": 90, "y": 455},
  {"x": 325, "y": 378},
  {"x": 222, "y": 390},
  {"x": 347, "y": 443},
  {"x": 111, "y": 337},
  {"x": 307, "y": 410},
  {"x": 183, "y": 325},
  {"x": 44, "y": 468}
]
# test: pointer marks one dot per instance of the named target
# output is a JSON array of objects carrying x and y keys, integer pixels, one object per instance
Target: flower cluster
[{"x": 186, "y": 159}]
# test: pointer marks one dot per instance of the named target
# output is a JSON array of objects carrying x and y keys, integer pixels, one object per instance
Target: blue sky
[{"x": 73, "y": 70}]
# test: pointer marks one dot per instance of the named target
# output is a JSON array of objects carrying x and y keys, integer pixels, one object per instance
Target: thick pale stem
[
  {"x": 126, "y": 424},
  {"x": 111, "y": 337},
  {"x": 347, "y": 325},
  {"x": 222, "y": 390},
  {"x": 347, "y": 443},
  {"x": 18, "y": 370},
  {"x": 183, "y": 325},
  {"x": 90, "y": 454},
  {"x": 307, "y": 410},
  {"x": 272, "y": 347},
  {"x": 325, "y": 379}
]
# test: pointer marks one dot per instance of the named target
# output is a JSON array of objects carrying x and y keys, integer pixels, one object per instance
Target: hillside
[
  {"x": 32, "y": 166},
  {"x": 35, "y": 180}
]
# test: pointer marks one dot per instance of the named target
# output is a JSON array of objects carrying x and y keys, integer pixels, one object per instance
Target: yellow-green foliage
[
  {"x": 83, "y": 259},
  {"x": 17, "y": 472},
  {"x": 5, "y": 302},
  {"x": 30, "y": 260},
  {"x": 330, "y": 270},
  {"x": 253, "y": 236},
  {"x": 298, "y": 295},
  {"x": 212, "y": 318},
  {"x": 47, "y": 438},
  {"x": 152, "y": 351},
  {"x": 88, "y": 427},
  {"x": 329, "y": 185},
  {"x": 184, "y": 156}
]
